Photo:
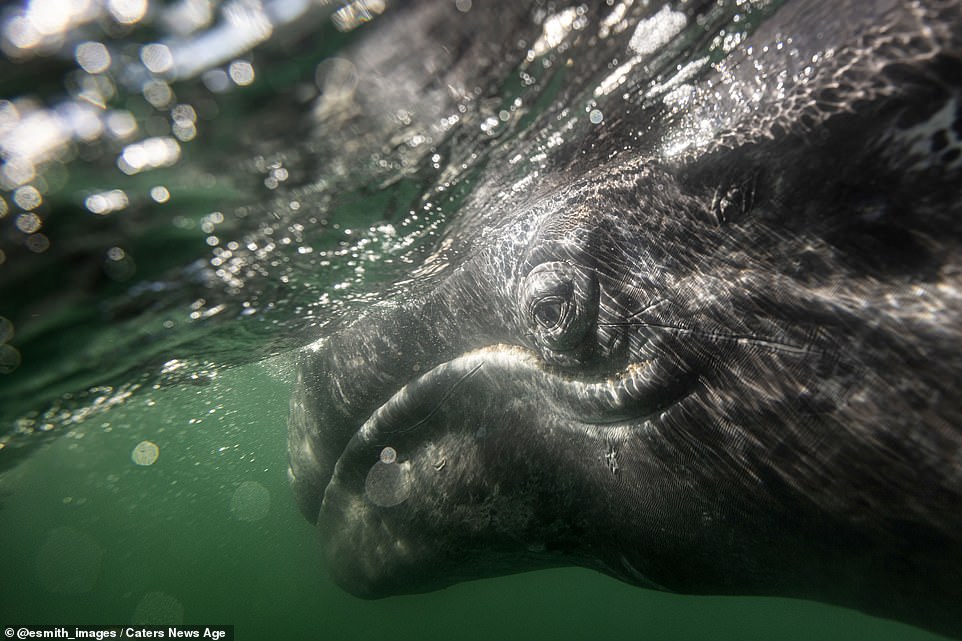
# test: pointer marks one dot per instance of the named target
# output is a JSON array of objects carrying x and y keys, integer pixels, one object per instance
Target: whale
[{"x": 708, "y": 343}]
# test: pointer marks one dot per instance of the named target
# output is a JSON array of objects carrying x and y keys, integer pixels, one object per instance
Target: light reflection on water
[
  {"x": 103, "y": 38},
  {"x": 134, "y": 88},
  {"x": 169, "y": 192}
]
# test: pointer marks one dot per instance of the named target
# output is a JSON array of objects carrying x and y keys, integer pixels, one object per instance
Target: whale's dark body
[{"x": 732, "y": 367}]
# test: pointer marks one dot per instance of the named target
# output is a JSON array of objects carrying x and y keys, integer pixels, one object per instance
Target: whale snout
[{"x": 342, "y": 380}]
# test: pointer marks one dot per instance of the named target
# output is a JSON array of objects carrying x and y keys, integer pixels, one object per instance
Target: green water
[
  {"x": 166, "y": 351},
  {"x": 90, "y": 537}
]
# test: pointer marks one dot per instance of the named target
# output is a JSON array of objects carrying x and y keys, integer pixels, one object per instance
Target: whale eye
[
  {"x": 559, "y": 303},
  {"x": 549, "y": 312}
]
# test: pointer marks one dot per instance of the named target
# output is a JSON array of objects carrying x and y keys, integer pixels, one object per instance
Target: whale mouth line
[{"x": 636, "y": 394}]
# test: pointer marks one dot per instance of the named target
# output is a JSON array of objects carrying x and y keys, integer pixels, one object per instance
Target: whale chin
[{"x": 435, "y": 487}]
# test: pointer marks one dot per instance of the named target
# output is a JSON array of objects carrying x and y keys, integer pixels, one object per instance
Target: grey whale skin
[{"x": 731, "y": 370}]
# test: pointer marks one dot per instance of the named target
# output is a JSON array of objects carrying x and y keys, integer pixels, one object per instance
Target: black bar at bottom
[{"x": 101, "y": 632}]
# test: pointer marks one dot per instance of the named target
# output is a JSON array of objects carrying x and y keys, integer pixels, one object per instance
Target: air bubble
[
  {"x": 28, "y": 223},
  {"x": 159, "y": 194},
  {"x": 146, "y": 453},
  {"x": 157, "y": 57},
  {"x": 387, "y": 484},
  {"x": 251, "y": 501},
  {"x": 93, "y": 57},
  {"x": 6, "y": 330},
  {"x": 27, "y": 197},
  {"x": 241, "y": 72}
]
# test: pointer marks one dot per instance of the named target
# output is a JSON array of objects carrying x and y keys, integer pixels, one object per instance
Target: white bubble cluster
[{"x": 657, "y": 31}]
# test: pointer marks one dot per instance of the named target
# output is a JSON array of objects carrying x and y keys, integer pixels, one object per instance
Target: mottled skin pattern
[{"x": 731, "y": 371}]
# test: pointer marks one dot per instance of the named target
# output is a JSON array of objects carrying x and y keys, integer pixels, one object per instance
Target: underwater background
[{"x": 190, "y": 191}]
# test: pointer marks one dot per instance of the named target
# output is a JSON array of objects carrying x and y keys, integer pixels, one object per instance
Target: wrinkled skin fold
[{"x": 729, "y": 372}]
